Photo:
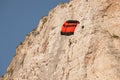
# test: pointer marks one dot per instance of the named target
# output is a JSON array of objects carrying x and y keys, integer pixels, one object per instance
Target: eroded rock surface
[{"x": 92, "y": 53}]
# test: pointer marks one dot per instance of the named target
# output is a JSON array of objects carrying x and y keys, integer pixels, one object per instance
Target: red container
[{"x": 68, "y": 27}]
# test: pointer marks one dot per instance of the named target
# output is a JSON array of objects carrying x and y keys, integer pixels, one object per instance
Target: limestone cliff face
[
  {"x": 92, "y": 53},
  {"x": 1, "y": 78}
]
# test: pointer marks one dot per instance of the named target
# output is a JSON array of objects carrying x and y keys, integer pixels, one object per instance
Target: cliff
[
  {"x": 92, "y": 53},
  {"x": 1, "y": 78}
]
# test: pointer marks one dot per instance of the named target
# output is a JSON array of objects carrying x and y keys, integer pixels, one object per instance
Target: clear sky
[{"x": 18, "y": 18}]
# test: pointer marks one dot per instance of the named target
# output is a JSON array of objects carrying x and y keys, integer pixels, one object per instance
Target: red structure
[{"x": 68, "y": 27}]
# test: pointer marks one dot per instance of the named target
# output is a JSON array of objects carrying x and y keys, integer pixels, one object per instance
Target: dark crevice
[
  {"x": 105, "y": 10},
  {"x": 82, "y": 27},
  {"x": 70, "y": 43}
]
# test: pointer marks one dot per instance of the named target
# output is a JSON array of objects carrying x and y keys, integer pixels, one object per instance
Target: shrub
[
  {"x": 70, "y": 5},
  {"x": 21, "y": 43},
  {"x": 44, "y": 20},
  {"x": 29, "y": 43},
  {"x": 28, "y": 34},
  {"x": 115, "y": 36}
]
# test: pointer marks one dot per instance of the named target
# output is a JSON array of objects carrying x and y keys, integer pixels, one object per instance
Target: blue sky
[{"x": 18, "y": 18}]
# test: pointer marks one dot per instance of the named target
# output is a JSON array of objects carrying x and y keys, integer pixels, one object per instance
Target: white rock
[{"x": 92, "y": 53}]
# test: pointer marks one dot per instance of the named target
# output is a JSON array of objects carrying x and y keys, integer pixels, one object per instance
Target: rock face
[
  {"x": 1, "y": 78},
  {"x": 92, "y": 53}
]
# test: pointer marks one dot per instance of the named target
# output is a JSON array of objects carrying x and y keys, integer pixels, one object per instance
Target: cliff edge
[{"x": 92, "y": 53}]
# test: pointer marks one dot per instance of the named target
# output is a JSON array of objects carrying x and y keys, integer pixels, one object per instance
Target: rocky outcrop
[
  {"x": 92, "y": 53},
  {"x": 1, "y": 78}
]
